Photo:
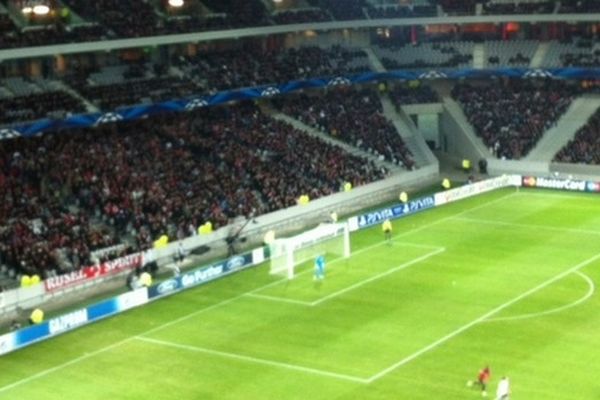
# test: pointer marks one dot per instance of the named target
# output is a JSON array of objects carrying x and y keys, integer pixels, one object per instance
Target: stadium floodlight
[
  {"x": 330, "y": 239},
  {"x": 41, "y": 9},
  {"x": 176, "y": 3}
]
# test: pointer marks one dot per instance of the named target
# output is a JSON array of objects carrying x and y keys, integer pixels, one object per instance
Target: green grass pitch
[{"x": 506, "y": 279}]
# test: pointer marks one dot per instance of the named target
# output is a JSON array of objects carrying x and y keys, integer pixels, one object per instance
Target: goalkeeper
[{"x": 319, "y": 268}]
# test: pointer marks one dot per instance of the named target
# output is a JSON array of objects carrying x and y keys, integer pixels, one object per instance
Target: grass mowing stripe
[
  {"x": 482, "y": 318},
  {"x": 61, "y": 366},
  {"x": 227, "y": 301},
  {"x": 254, "y": 360}
]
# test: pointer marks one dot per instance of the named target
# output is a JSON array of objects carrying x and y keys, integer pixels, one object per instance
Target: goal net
[{"x": 330, "y": 239}]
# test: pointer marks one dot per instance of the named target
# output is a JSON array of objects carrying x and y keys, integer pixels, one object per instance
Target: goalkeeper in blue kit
[{"x": 320, "y": 267}]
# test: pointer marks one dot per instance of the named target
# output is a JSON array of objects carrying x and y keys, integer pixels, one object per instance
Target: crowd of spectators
[
  {"x": 138, "y": 91},
  {"x": 132, "y": 18},
  {"x": 584, "y": 53},
  {"x": 301, "y": 16},
  {"x": 213, "y": 71},
  {"x": 579, "y": 6},
  {"x": 519, "y": 7},
  {"x": 585, "y": 146},
  {"x": 241, "y": 13},
  {"x": 342, "y": 10},
  {"x": 187, "y": 24},
  {"x": 139, "y": 18},
  {"x": 424, "y": 55},
  {"x": 64, "y": 195},
  {"x": 457, "y": 7},
  {"x": 35, "y": 106},
  {"x": 254, "y": 66},
  {"x": 353, "y": 116},
  {"x": 414, "y": 93},
  {"x": 52, "y": 34},
  {"x": 511, "y": 116},
  {"x": 517, "y": 59},
  {"x": 401, "y": 11}
]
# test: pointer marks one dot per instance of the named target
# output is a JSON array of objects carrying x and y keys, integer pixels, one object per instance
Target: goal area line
[{"x": 435, "y": 251}]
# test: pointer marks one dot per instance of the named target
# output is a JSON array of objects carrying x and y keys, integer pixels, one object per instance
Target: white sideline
[
  {"x": 481, "y": 319},
  {"x": 590, "y": 293},
  {"x": 219, "y": 304},
  {"x": 528, "y": 226},
  {"x": 253, "y": 360}
]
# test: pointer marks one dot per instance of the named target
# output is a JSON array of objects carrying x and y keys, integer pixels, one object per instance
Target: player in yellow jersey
[{"x": 387, "y": 229}]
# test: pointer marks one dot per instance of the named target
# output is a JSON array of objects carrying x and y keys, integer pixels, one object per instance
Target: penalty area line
[
  {"x": 279, "y": 299},
  {"x": 378, "y": 276},
  {"x": 482, "y": 318},
  {"x": 254, "y": 360},
  {"x": 590, "y": 293}
]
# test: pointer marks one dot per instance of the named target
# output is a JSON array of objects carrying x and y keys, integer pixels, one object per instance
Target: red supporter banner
[{"x": 90, "y": 273}]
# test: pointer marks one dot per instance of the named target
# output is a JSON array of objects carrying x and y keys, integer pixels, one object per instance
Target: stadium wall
[{"x": 74, "y": 319}]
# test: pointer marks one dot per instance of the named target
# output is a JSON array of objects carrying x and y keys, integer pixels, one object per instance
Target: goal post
[{"x": 331, "y": 239}]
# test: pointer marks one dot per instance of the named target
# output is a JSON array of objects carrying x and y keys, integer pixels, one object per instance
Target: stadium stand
[
  {"x": 245, "y": 13},
  {"x": 108, "y": 97},
  {"x": 511, "y": 116},
  {"x": 65, "y": 195},
  {"x": 457, "y": 7},
  {"x": 33, "y": 106},
  {"x": 196, "y": 23},
  {"x": 585, "y": 146},
  {"x": 298, "y": 16},
  {"x": 399, "y": 11},
  {"x": 426, "y": 55},
  {"x": 251, "y": 67},
  {"x": 134, "y": 18},
  {"x": 355, "y": 117},
  {"x": 579, "y": 52},
  {"x": 405, "y": 94},
  {"x": 579, "y": 6},
  {"x": 60, "y": 203},
  {"x": 521, "y": 7},
  {"x": 343, "y": 10},
  {"x": 510, "y": 53}
]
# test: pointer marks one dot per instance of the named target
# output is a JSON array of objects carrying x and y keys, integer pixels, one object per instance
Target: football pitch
[{"x": 506, "y": 279}]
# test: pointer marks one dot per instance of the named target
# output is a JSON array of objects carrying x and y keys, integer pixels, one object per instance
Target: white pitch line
[
  {"x": 590, "y": 293},
  {"x": 318, "y": 301},
  {"x": 485, "y": 316},
  {"x": 378, "y": 276},
  {"x": 219, "y": 304},
  {"x": 528, "y": 226},
  {"x": 255, "y": 360},
  {"x": 279, "y": 299}
]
